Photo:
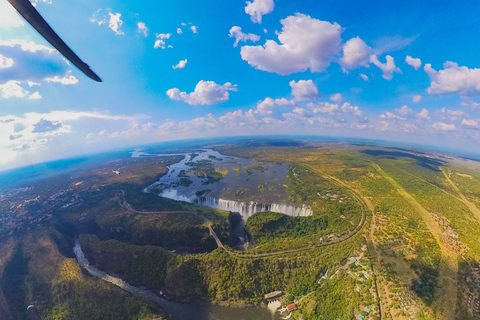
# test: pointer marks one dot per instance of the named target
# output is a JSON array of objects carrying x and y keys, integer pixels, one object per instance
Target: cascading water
[{"x": 247, "y": 209}]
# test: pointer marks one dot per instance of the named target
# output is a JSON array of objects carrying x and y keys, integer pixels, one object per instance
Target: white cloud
[
  {"x": 266, "y": 106},
  {"x": 441, "y": 126},
  {"x": 205, "y": 93},
  {"x": 304, "y": 90},
  {"x": 142, "y": 28},
  {"x": 66, "y": 80},
  {"x": 417, "y": 98},
  {"x": 453, "y": 79},
  {"x": 106, "y": 16},
  {"x": 470, "y": 123},
  {"x": 305, "y": 43},
  {"x": 35, "y": 96},
  {"x": 181, "y": 64},
  {"x": 115, "y": 23},
  {"x": 179, "y": 30},
  {"x": 300, "y": 111},
  {"x": 414, "y": 62},
  {"x": 236, "y": 32},
  {"x": 388, "y": 68},
  {"x": 258, "y": 8},
  {"x": 391, "y": 116},
  {"x": 337, "y": 97},
  {"x": 11, "y": 89},
  {"x": 356, "y": 54},
  {"x": 5, "y": 62},
  {"x": 424, "y": 114},
  {"x": 364, "y": 77},
  {"x": 404, "y": 111},
  {"x": 336, "y": 111},
  {"x": 285, "y": 102},
  {"x": 450, "y": 115},
  {"x": 160, "y": 42},
  {"x": 194, "y": 29},
  {"x": 9, "y": 18}
]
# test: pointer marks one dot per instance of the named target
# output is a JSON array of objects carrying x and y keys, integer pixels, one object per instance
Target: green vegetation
[
  {"x": 184, "y": 182},
  {"x": 268, "y": 226},
  {"x": 144, "y": 266},
  {"x": 205, "y": 169}
]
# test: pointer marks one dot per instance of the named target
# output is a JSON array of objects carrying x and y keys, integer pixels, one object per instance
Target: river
[{"x": 178, "y": 311}]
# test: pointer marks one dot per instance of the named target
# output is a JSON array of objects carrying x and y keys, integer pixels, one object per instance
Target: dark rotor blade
[{"x": 29, "y": 13}]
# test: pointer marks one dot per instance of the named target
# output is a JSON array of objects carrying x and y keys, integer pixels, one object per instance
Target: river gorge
[{"x": 177, "y": 311}]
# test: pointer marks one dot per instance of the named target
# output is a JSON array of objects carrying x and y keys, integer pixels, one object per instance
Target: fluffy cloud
[
  {"x": 285, "y": 102},
  {"x": 304, "y": 90},
  {"x": 356, "y": 54},
  {"x": 364, "y": 77},
  {"x": 337, "y": 97},
  {"x": 205, "y": 93},
  {"x": 12, "y": 89},
  {"x": 22, "y": 60},
  {"x": 388, "y": 68},
  {"x": 236, "y": 32},
  {"x": 470, "y": 124},
  {"x": 417, "y": 98},
  {"x": 450, "y": 115},
  {"x": 181, "y": 64},
  {"x": 179, "y": 31},
  {"x": 142, "y": 28},
  {"x": 258, "y": 8},
  {"x": 9, "y": 18},
  {"x": 453, "y": 79},
  {"x": 266, "y": 106},
  {"x": 194, "y": 29},
  {"x": 423, "y": 115},
  {"x": 414, "y": 62},
  {"x": 66, "y": 80},
  {"x": 160, "y": 42},
  {"x": 104, "y": 16},
  {"x": 336, "y": 111},
  {"x": 404, "y": 111},
  {"x": 35, "y": 96},
  {"x": 391, "y": 116},
  {"x": 441, "y": 126},
  {"x": 305, "y": 43},
  {"x": 45, "y": 126}
]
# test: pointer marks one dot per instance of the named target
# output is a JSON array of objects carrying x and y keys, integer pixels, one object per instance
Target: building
[{"x": 292, "y": 307}]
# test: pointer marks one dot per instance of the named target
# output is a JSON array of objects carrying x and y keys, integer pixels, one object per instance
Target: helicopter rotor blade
[{"x": 33, "y": 17}]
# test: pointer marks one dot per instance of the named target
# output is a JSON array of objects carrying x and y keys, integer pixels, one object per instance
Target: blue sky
[{"x": 403, "y": 71}]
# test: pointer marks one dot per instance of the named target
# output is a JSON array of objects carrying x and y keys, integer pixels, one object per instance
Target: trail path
[
  {"x": 448, "y": 268},
  {"x": 471, "y": 206}
]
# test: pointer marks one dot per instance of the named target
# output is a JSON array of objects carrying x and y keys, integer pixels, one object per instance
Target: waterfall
[{"x": 247, "y": 209}]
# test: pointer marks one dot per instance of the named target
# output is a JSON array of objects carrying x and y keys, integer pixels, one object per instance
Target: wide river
[{"x": 178, "y": 311}]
